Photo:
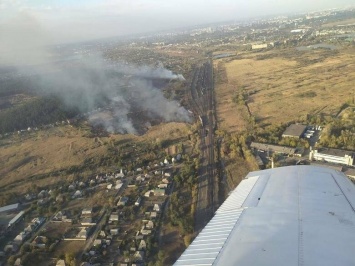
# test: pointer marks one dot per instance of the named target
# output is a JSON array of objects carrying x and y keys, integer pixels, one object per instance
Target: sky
[{"x": 77, "y": 20}]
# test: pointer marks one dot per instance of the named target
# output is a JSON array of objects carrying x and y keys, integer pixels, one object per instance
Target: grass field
[
  {"x": 25, "y": 157},
  {"x": 285, "y": 85}
]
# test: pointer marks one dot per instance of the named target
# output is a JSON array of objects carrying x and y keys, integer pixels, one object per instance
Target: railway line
[{"x": 201, "y": 102}]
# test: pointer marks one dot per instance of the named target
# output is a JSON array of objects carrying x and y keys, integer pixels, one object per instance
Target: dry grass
[
  {"x": 62, "y": 147},
  {"x": 279, "y": 86}
]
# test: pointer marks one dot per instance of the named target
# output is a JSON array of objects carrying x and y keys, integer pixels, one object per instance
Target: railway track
[{"x": 201, "y": 101}]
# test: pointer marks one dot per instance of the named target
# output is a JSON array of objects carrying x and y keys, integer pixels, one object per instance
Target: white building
[{"x": 332, "y": 156}]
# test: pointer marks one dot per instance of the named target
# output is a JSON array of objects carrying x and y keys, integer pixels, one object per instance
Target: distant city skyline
[{"x": 80, "y": 20}]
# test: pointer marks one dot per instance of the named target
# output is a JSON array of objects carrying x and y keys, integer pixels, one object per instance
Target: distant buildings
[{"x": 259, "y": 46}]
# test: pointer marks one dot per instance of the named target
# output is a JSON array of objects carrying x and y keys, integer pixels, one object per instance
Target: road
[{"x": 201, "y": 101}]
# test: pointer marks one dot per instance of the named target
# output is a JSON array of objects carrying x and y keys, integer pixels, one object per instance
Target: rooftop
[
  {"x": 9, "y": 207},
  {"x": 335, "y": 152},
  {"x": 274, "y": 148},
  {"x": 294, "y": 130},
  {"x": 277, "y": 217}
]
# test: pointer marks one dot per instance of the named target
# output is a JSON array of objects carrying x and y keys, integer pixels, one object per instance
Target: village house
[
  {"x": 156, "y": 207},
  {"x": 122, "y": 201}
]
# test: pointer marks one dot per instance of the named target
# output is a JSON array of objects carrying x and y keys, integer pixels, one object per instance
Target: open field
[
  {"x": 38, "y": 154},
  {"x": 286, "y": 85}
]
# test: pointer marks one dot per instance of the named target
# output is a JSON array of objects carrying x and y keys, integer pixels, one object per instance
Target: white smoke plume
[
  {"x": 91, "y": 84},
  {"x": 118, "y": 89}
]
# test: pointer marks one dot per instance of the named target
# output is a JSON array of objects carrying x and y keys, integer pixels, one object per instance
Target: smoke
[{"x": 111, "y": 94}]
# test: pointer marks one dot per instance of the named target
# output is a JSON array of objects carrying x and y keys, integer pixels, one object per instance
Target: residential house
[
  {"x": 156, "y": 207},
  {"x": 84, "y": 233},
  {"x": 113, "y": 217},
  {"x": 138, "y": 201},
  {"x": 86, "y": 211},
  {"x": 142, "y": 245},
  {"x": 163, "y": 186},
  {"x": 149, "y": 225},
  {"x": 139, "y": 256},
  {"x": 39, "y": 242},
  {"x": 122, "y": 201}
]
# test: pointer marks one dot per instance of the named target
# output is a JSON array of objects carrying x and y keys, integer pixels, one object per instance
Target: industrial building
[
  {"x": 9, "y": 208},
  {"x": 294, "y": 131},
  {"x": 276, "y": 149},
  {"x": 295, "y": 215},
  {"x": 332, "y": 155}
]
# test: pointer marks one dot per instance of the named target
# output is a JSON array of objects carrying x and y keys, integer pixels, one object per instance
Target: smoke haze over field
[
  {"x": 118, "y": 90},
  {"x": 87, "y": 84}
]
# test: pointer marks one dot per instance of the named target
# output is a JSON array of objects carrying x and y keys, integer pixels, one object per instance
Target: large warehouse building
[
  {"x": 294, "y": 131},
  {"x": 295, "y": 215}
]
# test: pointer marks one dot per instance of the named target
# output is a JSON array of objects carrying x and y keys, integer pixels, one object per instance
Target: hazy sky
[{"x": 72, "y": 20}]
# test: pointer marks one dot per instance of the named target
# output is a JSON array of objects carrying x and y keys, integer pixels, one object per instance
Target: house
[
  {"x": 102, "y": 233},
  {"x": 165, "y": 180},
  {"x": 122, "y": 201},
  {"x": 163, "y": 186},
  {"x": 58, "y": 217},
  {"x": 114, "y": 231},
  {"x": 148, "y": 193},
  {"x": 84, "y": 233},
  {"x": 18, "y": 262},
  {"x": 138, "y": 201},
  {"x": 30, "y": 228},
  {"x": 113, "y": 217},
  {"x": 142, "y": 245},
  {"x": 97, "y": 242},
  {"x": 145, "y": 231},
  {"x": 149, "y": 225},
  {"x": 138, "y": 256},
  {"x": 167, "y": 174},
  {"x": 118, "y": 185},
  {"x": 60, "y": 263},
  {"x": 156, "y": 207},
  {"x": 39, "y": 242},
  {"x": 140, "y": 178},
  {"x": 153, "y": 215},
  {"x": 77, "y": 194},
  {"x": 21, "y": 237},
  {"x": 86, "y": 211}
]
